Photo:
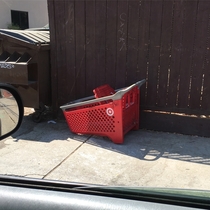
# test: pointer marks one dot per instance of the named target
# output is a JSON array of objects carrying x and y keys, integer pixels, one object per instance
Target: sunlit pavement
[
  {"x": 48, "y": 150},
  {"x": 8, "y": 113}
]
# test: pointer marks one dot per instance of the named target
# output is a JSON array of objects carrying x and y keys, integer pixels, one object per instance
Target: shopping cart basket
[{"x": 112, "y": 116}]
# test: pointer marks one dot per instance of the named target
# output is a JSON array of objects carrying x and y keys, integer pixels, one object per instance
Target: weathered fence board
[
  {"x": 175, "y": 123},
  {"x": 176, "y": 52},
  {"x": 143, "y": 47},
  {"x": 100, "y": 42},
  {"x": 165, "y": 54},
  {"x": 154, "y": 50},
  {"x": 80, "y": 53},
  {"x": 205, "y": 105},
  {"x": 111, "y": 42},
  {"x": 187, "y": 48},
  {"x": 200, "y": 50},
  {"x": 60, "y": 49},
  {"x": 90, "y": 47},
  {"x": 132, "y": 42},
  {"x": 122, "y": 26},
  {"x": 53, "y": 43},
  {"x": 69, "y": 73}
]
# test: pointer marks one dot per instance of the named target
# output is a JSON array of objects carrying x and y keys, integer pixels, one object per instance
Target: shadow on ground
[
  {"x": 141, "y": 144},
  {"x": 45, "y": 131},
  {"x": 150, "y": 146}
]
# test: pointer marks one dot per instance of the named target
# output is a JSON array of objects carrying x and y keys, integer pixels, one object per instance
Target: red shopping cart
[{"x": 112, "y": 116}]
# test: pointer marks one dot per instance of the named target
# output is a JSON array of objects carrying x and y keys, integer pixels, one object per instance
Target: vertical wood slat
[
  {"x": 61, "y": 51},
  {"x": 80, "y": 48},
  {"x": 201, "y": 45},
  {"x": 100, "y": 42},
  {"x": 206, "y": 86},
  {"x": 190, "y": 8},
  {"x": 122, "y": 25},
  {"x": 176, "y": 53},
  {"x": 132, "y": 43},
  {"x": 111, "y": 42},
  {"x": 143, "y": 46},
  {"x": 53, "y": 54},
  {"x": 165, "y": 53},
  {"x": 70, "y": 52},
  {"x": 154, "y": 50},
  {"x": 90, "y": 47}
]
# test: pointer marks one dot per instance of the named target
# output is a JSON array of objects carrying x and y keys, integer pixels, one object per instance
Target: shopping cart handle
[
  {"x": 117, "y": 96},
  {"x": 140, "y": 83}
]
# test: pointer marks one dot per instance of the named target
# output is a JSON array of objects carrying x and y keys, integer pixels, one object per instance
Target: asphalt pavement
[{"x": 48, "y": 150}]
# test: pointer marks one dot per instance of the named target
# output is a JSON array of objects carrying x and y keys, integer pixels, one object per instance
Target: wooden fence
[{"x": 120, "y": 42}]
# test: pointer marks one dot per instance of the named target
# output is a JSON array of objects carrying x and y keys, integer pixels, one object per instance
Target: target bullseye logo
[{"x": 110, "y": 112}]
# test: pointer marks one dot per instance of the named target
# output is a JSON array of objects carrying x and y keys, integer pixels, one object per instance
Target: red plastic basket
[
  {"x": 113, "y": 119},
  {"x": 104, "y": 90}
]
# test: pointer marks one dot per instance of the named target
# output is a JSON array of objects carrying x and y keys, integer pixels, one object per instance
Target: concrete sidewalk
[{"x": 50, "y": 151}]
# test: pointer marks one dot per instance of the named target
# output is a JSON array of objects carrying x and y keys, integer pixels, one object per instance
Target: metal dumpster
[{"x": 25, "y": 63}]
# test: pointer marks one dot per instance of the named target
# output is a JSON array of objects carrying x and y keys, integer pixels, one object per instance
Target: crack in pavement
[{"x": 66, "y": 158}]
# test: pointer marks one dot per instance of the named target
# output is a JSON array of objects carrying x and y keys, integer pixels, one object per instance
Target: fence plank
[
  {"x": 205, "y": 105},
  {"x": 154, "y": 51},
  {"x": 111, "y": 43},
  {"x": 70, "y": 51},
  {"x": 80, "y": 49},
  {"x": 132, "y": 46},
  {"x": 190, "y": 8},
  {"x": 100, "y": 42},
  {"x": 143, "y": 46},
  {"x": 165, "y": 53},
  {"x": 175, "y": 124},
  {"x": 201, "y": 46},
  {"x": 61, "y": 51},
  {"x": 53, "y": 54},
  {"x": 122, "y": 22},
  {"x": 90, "y": 47},
  {"x": 176, "y": 53}
]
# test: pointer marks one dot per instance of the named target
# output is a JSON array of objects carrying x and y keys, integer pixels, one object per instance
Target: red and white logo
[{"x": 110, "y": 112}]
